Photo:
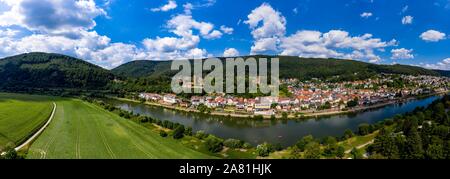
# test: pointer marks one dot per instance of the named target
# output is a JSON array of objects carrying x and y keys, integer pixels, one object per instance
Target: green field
[
  {"x": 21, "y": 116},
  {"x": 83, "y": 130}
]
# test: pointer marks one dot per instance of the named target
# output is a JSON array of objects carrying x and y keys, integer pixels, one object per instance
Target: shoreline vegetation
[{"x": 313, "y": 114}]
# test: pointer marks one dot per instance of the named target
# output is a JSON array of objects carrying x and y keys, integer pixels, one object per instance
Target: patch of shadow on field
[{"x": 30, "y": 97}]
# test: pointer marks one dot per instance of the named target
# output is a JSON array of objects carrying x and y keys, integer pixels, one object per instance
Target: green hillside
[
  {"x": 45, "y": 70},
  {"x": 290, "y": 67},
  {"x": 140, "y": 68}
]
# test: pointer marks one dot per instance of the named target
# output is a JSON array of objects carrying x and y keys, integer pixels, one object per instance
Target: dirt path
[
  {"x": 360, "y": 146},
  {"x": 32, "y": 138}
]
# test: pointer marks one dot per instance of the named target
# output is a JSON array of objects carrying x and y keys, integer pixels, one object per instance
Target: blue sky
[{"x": 112, "y": 32}]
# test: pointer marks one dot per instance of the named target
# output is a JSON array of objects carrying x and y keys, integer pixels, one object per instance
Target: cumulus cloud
[
  {"x": 267, "y": 26},
  {"x": 333, "y": 44},
  {"x": 366, "y": 15},
  {"x": 269, "y": 32},
  {"x": 402, "y": 53},
  {"x": 266, "y": 22},
  {"x": 182, "y": 25},
  {"x": 432, "y": 36},
  {"x": 407, "y": 20},
  {"x": 226, "y": 30},
  {"x": 52, "y": 16},
  {"x": 167, "y": 7},
  {"x": 443, "y": 65},
  {"x": 231, "y": 52}
]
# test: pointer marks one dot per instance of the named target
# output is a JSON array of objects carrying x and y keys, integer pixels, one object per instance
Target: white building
[{"x": 170, "y": 98}]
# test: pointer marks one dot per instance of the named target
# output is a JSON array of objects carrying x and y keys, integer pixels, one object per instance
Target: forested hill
[
  {"x": 290, "y": 67},
  {"x": 45, "y": 70},
  {"x": 141, "y": 68}
]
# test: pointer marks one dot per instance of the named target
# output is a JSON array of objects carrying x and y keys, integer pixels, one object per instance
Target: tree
[
  {"x": 348, "y": 134},
  {"x": 340, "y": 152},
  {"x": 435, "y": 151},
  {"x": 178, "y": 133},
  {"x": 163, "y": 133},
  {"x": 312, "y": 150},
  {"x": 386, "y": 144},
  {"x": 233, "y": 143},
  {"x": 413, "y": 148},
  {"x": 301, "y": 144},
  {"x": 284, "y": 115},
  {"x": 188, "y": 131},
  {"x": 352, "y": 103},
  {"x": 356, "y": 154},
  {"x": 330, "y": 147},
  {"x": 214, "y": 144},
  {"x": 264, "y": 150},
  {"x": 364, "y": 129},
  {"x": 201, "y": 135},
  {"x": 10, "y": 153}
]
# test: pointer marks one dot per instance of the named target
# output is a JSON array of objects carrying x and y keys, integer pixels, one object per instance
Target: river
[{"x": 285, "y": 133}]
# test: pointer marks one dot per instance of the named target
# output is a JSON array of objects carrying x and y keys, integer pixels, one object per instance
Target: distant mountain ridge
[{"x": 290, "y": 67}]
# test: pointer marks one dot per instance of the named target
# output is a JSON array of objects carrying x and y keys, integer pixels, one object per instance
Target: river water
[{"x": 284, "y": 132}]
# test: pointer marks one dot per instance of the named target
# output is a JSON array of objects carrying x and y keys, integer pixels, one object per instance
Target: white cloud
[
  {"x": 167, "y": 7},
  {"x": 269, "y": 29},
  {"x": 267, "y": 26},
  {"x": 402, "y": 53},
  {"x": 188, "y": 8},
  {"x": 266, "y": 22},
  {"x": 8, "y": 32},
  {"x": 230, "y": 52},
  {"x": 333, "y": 44},
  {"x": 226, "y": 30},
  {"x": 170, "y": 44},
  {"x": 265, "y": 45},
  {"x": 366, "y": 15},
  {"x": 407, "y": 20},
  {"x": 51, "y": 16},
  {"x": 432, "y": 36},
  {"x": 182, "y": 25},
  {"x": 443, "y": 65},
  {"x": 405, "y": 8}
]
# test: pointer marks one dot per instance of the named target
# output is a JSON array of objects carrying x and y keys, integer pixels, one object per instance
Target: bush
[
  {"x": 163, "y": 133},
  {"x": 178, "y": 133},
  {"x": 143, "y": 119},
  {"x": 214, "y": 144},
  {"x": 233, "y": 143},
  {"x": 201, "y": 135},
  {"x": 247, "y": 145},
  {"x": 188, "y": 131}
]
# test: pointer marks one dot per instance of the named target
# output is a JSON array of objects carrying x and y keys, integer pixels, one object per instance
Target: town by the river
[{"x": 284, "y": 132}]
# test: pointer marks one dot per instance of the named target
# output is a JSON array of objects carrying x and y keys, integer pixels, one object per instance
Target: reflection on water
[{"x": 283, "y": 132}]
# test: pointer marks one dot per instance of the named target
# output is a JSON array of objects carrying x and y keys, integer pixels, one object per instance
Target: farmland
[
  {"x": 21, "y": 116},
  {"x": 82, "y": 130}
]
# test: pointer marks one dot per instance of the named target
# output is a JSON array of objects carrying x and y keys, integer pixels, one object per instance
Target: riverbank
[{"x": 313, "y": 114}]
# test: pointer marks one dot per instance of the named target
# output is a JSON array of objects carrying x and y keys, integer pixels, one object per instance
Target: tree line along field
[
  {"x": 21, "y": 116},
  {"x": 83, "y": 130}
]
